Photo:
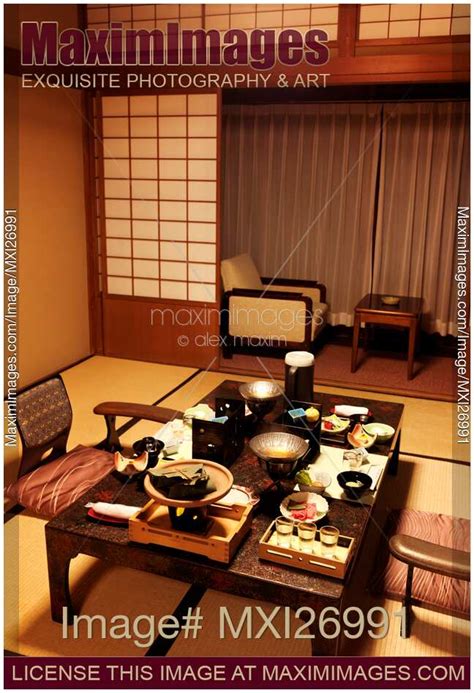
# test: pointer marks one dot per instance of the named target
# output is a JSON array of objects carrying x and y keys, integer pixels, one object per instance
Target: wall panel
[{"x": 48, "y": 167}]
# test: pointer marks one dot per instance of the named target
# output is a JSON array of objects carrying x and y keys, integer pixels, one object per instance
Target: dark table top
[
  {"x": 350, "y": 518},
  {"x": 409, "y": 305}
]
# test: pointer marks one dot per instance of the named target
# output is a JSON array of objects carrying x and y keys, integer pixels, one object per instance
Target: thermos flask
[{"x": 299, "y": 376}]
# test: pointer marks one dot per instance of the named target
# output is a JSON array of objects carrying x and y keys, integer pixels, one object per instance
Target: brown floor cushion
[
  {"x": 51, "y": 488},
  {"x": 429, "y": 589}
]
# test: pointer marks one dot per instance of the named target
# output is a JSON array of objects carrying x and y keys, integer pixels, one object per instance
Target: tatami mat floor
[
  {"x": 425, "y": 484},
  {"x": 99, "y": 590}
]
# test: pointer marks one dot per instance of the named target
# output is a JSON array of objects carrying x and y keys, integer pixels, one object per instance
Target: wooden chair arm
[
  {"x": 256, "y": 293},
  {"x": 136, "y": 411},
  {"x": 298, "y": 283},
  {"x": 428, "y": 556},
  {"x": 110, "y": 410}
]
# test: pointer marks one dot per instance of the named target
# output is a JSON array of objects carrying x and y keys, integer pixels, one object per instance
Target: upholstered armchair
[
  {"x": 50, "y": 478},
  {"x": 260, "y": 312}
]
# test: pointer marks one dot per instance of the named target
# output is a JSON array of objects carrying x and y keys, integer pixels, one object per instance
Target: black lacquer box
[{"x": 221, "y": 442}]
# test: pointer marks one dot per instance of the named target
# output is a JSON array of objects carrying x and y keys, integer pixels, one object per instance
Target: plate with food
[
  {"x": 304, "y": 506},
  {"x": 359, "y": 438},
  {"x": 334, "y": 424},
  {"x": 384, "y": 432}
]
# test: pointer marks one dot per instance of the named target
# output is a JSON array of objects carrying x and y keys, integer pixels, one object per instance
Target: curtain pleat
[
  {"x": 424, "y": 165},
  {"x": 299, "y": 191},
  {"x": 302, "y": 183}
]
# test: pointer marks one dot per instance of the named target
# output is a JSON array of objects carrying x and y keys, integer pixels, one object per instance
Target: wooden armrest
[
  {"x": 256, "y": 293},
  {"x": 110, "y": 410},
  {"x": 289, "y": 282},
  {"x": 136, "y": 411},
  {"x": 428, "y": 556},
  {"x": 299, "y": 283}
]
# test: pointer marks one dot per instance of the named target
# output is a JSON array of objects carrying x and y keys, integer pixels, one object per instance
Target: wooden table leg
[
  {"x": 418, "y": 337},
  {"x": 394, "y": 456},
  {"x": 321, "y": 646},
  {"x": 411, "y": 347},
  {"x": 325, "y": 647},
  {"x": 355, "y": 342},
  {"x": 59, "y": 558}
]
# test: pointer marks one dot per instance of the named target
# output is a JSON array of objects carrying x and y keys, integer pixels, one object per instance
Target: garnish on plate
[
  {"x": 312, "y": 480},
  {"x": 334, "y": 424},
  {"x": 304, "y": 477}
]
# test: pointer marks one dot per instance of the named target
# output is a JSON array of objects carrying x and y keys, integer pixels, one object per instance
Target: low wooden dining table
[{"x": 72, "y": 533}]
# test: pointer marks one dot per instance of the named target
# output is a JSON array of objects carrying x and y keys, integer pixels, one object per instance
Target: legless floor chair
[
  {"x": 417, "y": 553},
  {"x": 49, "y": 477}
]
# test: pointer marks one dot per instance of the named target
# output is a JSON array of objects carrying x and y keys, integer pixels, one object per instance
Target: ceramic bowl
[
  {"x": 280, "y": 451},
  {"x": 129, "y": 466},
  {"x": 259, "y": 390},
  {"x": 355, "y": 441},
  {"x": 152, "y": 446},
  {"x": 383, "y": 431},
  {"x": 260, "y": 396},
  {"x": 354, "y": 484},
  {"x": 320, "y": 482},
  {"x": 390, "y": 300}
]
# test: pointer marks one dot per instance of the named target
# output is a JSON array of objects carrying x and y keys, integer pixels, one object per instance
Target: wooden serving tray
[
  {"x": 269, "y": 550},
  {"x": 227, "y": 527}
]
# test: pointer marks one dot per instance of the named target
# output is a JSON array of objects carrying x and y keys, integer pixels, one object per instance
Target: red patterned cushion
[
  {"x": 429, "y": 588},
  {"x": 52, "y": 487}
]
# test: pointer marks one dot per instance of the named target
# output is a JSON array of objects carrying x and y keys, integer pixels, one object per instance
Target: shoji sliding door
[{"x": 159, "y": 225}]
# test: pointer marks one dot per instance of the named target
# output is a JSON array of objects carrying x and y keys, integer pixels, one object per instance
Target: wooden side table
[{"x": 406, "y": 314}]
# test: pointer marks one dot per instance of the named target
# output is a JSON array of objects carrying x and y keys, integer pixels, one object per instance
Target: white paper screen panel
[
  {"x": 413, "y": 20},
  {"x": 160, "y": 195},
  {"x": 220, "y": 17}
]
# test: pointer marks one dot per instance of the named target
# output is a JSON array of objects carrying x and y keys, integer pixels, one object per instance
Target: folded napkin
[
  {"x": 347, "y": 410},
  {"x": 116, "y": 510},
  {"x": 200, "y": 411}
]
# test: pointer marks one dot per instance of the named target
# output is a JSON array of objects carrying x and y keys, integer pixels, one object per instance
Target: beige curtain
[
  {"x": 424, "y": 176},
  {"x": 299, "y": 194}
]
